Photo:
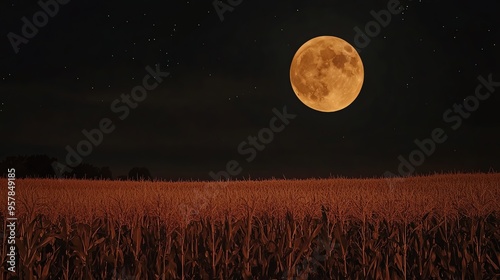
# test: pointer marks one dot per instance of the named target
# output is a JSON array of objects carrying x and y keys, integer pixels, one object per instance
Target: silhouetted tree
[
  {"x": 34, "y": 166},
  {"x": 88, "y": 171},
  {"x": 122, "y": 177},
  {"x": 40, "y": 166},
  {"x": 84, "y": 171},
  {"x": 139, "y": 173},
  {"x": 105, "y": 173}
]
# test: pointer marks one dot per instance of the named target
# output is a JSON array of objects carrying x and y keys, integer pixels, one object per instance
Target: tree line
[{"x": 40, "y": 166}]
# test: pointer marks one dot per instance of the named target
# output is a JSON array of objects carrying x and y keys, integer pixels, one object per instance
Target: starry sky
[{"x": 228, "y": 71}]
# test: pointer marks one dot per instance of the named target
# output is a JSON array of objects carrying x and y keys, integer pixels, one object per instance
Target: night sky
[{"x": 226, "y": 77}]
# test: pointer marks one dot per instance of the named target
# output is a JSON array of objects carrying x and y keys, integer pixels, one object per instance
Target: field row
[
  {"x": 260, "y": 248},
  {"x": 180, "y": 202}
]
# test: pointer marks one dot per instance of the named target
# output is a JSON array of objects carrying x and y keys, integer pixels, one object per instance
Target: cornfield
[{"x": 444, "y": 226}]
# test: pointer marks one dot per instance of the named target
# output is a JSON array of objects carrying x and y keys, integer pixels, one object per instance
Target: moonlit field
[
  {"x": 250, "y": 140},
  {"x": 444, "y": 226}
]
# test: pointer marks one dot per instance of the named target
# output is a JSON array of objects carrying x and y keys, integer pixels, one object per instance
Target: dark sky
[{"x": 225, "y": 78}]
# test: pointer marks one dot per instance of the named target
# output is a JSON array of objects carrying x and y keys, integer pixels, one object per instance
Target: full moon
[{"x": 326, "y": 74}]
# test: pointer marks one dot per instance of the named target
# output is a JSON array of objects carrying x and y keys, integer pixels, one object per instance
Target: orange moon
[{"x": 326, "y": 74}]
